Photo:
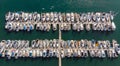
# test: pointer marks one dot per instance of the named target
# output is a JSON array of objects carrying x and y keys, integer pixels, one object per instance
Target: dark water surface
[{"x": 60, "y": 6}]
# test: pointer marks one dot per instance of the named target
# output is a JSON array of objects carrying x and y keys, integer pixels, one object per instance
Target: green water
[{"x": 60, "y": 6}]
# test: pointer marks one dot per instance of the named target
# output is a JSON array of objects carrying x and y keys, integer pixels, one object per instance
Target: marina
[
  {"x": 59, "y": 33},
  {"x": 22, "y": 21},
  {"x": 59, "y": 48}
]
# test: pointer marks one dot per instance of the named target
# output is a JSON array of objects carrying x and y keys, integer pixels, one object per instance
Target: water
[{"x": 60, "y": 6}]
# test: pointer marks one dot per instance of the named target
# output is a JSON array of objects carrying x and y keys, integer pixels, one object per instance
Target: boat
[
  {"x": 68, "y": 17},
  {"x": 44, "y": 53},
  {"x": 9, "y": 26},
  {"x": 54, "y": 27},
  {"x": 51, "y": 17},
  {"x": 30, "y": 53},
  {"x": 61, "y": 26},
  {"x": 50, "y": 53},
  {"x": 60, "y": 17},
  {"x": 8, "y": 16},
  {"x": 62, "y": 53},
  {"x": 72, "y": 17},
  {"x": 81, "y": 26},
  {"x": 33, "y": 53},
  {"x": 74, "y": 26},
  {"x": 43, "y": 17},
  {"x": 92, "y": 53},
  {"x": 16, "y": 54},
  {"x": 100, "y": 21},
  {"x": 55, "y": 16},
  {"x": 37, "y": 17},
  {"x": 88, "y": 27},
  {"x": 40, "y": 52},
  {"x": 113, "y": 26},
  {"x": 103, "y": 53},
  {"x": 47, "y": 17}
]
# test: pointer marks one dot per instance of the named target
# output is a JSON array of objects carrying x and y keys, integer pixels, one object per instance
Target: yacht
[
  {"x": 55, "y": 16},
  {"x": 37, "y": 17},
  {"x": 72, "y": 17},
  {"x": 44, "y": 53},
  {"x": 30, "y": 53},
  {"x": 113, "y": 26},
  {"x": 62, "y": 53},
  {"x": 88, "y": 27},
  {"x": 68, "y": 17},
  {"x": 54, "y": 27},
  {"x": 103, "y": 54},
  {"x": 51, "y": 17},
  {"x": 43, "y": 17},
  {"x": 60, "y": 17},
  {"x": 47, "y": 17},
  {"x": 8, "y": 16},
  {"x": 74, "y": 26}
]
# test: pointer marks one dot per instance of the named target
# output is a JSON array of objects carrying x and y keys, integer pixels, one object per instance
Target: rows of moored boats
[
  {"x": 50, "y": 48},
  {"x": 101, "y": 21}
]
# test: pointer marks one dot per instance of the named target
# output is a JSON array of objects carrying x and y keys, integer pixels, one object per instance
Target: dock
[{"x": 60, "y": 61}]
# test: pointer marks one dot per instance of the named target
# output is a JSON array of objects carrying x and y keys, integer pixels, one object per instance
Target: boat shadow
[
  {"x": 30, "y": 59},
  {"x": 102, "y": 32},
  {"x": 88, "y": 58}
]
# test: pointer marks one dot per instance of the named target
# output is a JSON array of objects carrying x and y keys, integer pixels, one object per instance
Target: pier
[{"x": 60, "y": 61}]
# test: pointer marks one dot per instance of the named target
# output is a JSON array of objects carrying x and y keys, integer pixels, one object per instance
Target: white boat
[
  {"x": 62, "y": 53},
  {"x": 34, "y": 53},
  {"x": 89, "y": 16},
  {"x": 44, "y": 53},
  {"x": 55, "y": 17},
  {"x": 37, "y": 17},
  {"x": 12, "y": 16},
  {"x": 61, "y": 26},
  {"x": 81, "y": 26},
  {"x": 54, "y": 26},
  {"x": 47, "y": 17},
  {"x": 57, "y": 53},
  {"x": 16, "y": 54},
  {"x": 98, "y": 16},
  {"x": 50, "y": 53},
  {"x": 113, "y": 26},
  {"x": 8, "y": 16},
  {"x": 23, "y": 53},
  {"x": 9, "y": 26},
  {"x": 17, "y": 16},
  {"x": 84, "y": 17},
  {"x": 72, "y": 17},
  {"x": 68, "y": 17},
  {"x": 74, "y": 26},
  {"x": 43, "y": 17},
  {"x": 25, "y": 17},
  {"x": 41, "y": 27},
  {"x": 103, "y": 54},
  {"x": 60, "y": 17},
  {"x": 34, "y": 16},
  {"x": 92, "y": 53},
  {"x": 79, "y": 52},
  {"x": 99, "y": 54},
  {"x": 51, "y": 17},
  {"x": 17, "y": 27},
  {"x": 8, "y": 54},
  {"x": 40, "y": 53},
  {"x": 30, "y": 53},
  {"x": 88, "y": 27}
]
